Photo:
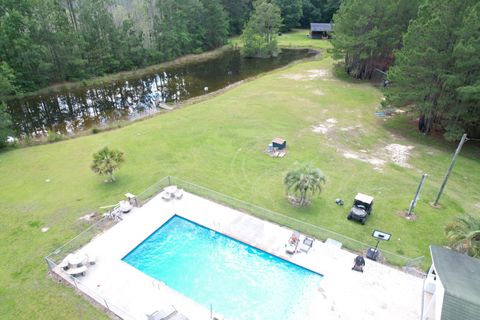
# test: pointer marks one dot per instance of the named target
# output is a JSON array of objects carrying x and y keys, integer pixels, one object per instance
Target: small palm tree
[
  {"x": 106, "y": 161},
  {"x": 304, "y": 180},
  {"x": 463, "y": 235}
]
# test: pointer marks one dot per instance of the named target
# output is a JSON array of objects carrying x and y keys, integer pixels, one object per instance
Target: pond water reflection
[{"x": 81, "y": 108}]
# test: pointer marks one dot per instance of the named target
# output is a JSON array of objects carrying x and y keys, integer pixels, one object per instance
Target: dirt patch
[
  {"x": 320, "y": 129},
  {"x": 89, "y": 217},
  {"x": 323, "y": 128},
  {"x": 376, "y": 162},
  {"x": 310, "y": 75},
  {"x": 318, "y": 73},
  {"x": 346, "y": 129},
  {"x": 399, "y": 154},
  {"x": 318, "y": 93},
  {"x": 294, "y": 76},
  {"x": 404, "y": 214}
]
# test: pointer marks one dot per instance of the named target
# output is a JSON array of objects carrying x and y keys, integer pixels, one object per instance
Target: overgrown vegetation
[
  {"x": 463, "y": 234},
  {"x": 5, "y": 125}
]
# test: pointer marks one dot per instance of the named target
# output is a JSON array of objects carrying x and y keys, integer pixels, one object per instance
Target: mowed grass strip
[{"x": 219, "y": 144}]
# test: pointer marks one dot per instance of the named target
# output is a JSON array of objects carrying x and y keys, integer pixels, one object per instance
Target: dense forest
[
  {"x": 43, "y": 42},
  {"x": 429, "y": 49}
]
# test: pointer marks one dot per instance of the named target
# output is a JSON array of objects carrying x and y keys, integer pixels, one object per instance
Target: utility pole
[
  {"x": 464, "y": 139},
  {"x": 415, "y": 199}
]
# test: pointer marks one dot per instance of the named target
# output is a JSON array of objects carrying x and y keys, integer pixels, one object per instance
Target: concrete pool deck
[{"x": 381, "y": 292}]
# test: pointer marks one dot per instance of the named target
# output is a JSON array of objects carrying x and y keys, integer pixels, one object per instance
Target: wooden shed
[{"x": 321, "y": 30}]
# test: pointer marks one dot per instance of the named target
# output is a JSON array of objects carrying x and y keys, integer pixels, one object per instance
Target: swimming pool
[{"x": 239, "y": 281}]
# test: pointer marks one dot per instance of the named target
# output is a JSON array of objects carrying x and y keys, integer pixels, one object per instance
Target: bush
[
  {"x": 53, "y": 136},
  {"x": 5, "y": 125}
]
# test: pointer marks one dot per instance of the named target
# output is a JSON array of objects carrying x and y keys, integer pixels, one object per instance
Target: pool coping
[{"x": 123, "y": 287}]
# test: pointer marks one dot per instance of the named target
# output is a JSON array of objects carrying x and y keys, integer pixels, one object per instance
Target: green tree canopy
[
  {"x": 238, "y": 13},
  {"x": 368, "y": 31},
  {"x": 437, "y": 70},
  {"x": 106, "y": 162},
  {"x": 318, "y": 11},
  {"x": 5, "y": 125},
  {"x": 304, "y": 180},
  {"x": 7, "y": 80},
  {"x": 291, "y": 12},
  {"x": 260, "y": 34}
]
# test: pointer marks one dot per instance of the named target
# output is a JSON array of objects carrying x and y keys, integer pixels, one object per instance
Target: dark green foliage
[
  {"x": 106, "y": 162},
  {"x": 303, "y": 180},
  {"x": 50, "y": 41},
  {"x": 291, "y": 11},
  {"x": 318, "y": 11},
  {"x": 215, "y": 22},
  {"x": 368, "y": 31},
  {"x": 437, "y": 71},
  {"x": 463, "y": 234},
  {"x": 238, "y": 13},
  {"x": 5, "y": 125},
  {"x": 260, "y": 34},
  {"x": 7, "y": 79}
]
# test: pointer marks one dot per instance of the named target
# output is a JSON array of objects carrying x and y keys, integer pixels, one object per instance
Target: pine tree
[
  {"x": 434, "y": 71},
  {"x": 238, "y": 13},
  {"x": 368, "y": 31}
]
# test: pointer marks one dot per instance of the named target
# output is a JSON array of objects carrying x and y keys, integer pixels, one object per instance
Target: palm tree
[
  {"x": 106, "y": 161},
  {"x": 463, "y": 234},
  {"x": 303, "y": 180}
]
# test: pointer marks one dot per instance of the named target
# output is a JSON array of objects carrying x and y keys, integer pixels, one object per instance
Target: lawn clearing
[{"x": 219, "y": 143}]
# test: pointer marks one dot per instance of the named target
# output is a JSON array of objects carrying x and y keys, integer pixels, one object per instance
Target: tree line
[
  {"x": 43, "y": 42},
  {"x": 430, "y": 50}
]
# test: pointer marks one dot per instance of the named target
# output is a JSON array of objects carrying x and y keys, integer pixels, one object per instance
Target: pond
[{"x": 132, "y": 97}]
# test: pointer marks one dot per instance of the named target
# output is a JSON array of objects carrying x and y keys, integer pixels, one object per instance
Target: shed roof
[
  {"x": 278, "y": 140},
  {"x": 321, "y": 27},
  {"x": 364, "y": 198},
  {"x": 460, "y": 276}
]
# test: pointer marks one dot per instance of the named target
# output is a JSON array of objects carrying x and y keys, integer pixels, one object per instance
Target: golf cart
[{"x": 362, "y": 207}]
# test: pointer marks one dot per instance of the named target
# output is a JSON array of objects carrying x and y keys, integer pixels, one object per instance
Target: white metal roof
[{"x": 364, "y": 198}]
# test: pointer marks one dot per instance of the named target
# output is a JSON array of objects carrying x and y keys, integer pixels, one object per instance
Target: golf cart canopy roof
[{"x": 363, "y": 198}]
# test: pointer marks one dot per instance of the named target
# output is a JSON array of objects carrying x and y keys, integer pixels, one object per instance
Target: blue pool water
[{"x": 240, "y": 281}]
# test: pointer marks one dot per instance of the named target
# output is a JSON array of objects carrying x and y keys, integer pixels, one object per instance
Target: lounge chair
[
  {"x": 166, "y": 196},
  {"x": 90, "y": 260},
  {"x": 178, "y": 194},
  {"x": 306, "y": 244},
  {"x": 164, "y": 314},
  {"x": 292, "y": 244},
  {"x": 76, "y": 271}
]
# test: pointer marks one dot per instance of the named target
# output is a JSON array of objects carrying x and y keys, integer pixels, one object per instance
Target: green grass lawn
[
  {"x": 297, "y": 38},
  {"x": 218, "y": 143}
]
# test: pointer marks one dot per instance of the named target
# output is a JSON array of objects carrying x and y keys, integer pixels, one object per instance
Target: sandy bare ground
[
  {"x": 308, "y": 75},
  {"x": 396, "y": 153}
]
